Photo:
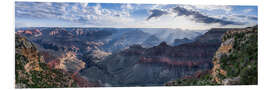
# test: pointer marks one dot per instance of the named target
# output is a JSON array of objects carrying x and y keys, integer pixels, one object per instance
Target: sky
[{"x": 186, "y": 17}]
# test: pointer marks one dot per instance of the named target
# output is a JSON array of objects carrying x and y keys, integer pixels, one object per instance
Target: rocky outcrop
[
  {"x": 99, "y": 55},
  {"x": 236, "y": 58},
  {"x": 31, "y": 70},
  {"x": 28, "y": 50},
  {"x": 68, "y": 62},
  {"x": 234, "y": 63},
  {"x": 224, "y": 49},
  {"x": 35, "y": 33}
]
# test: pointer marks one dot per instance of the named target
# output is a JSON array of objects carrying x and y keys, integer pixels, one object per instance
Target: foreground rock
[
  {"x": 234, "y": 63},
  {"x": 32, "y": 71}
]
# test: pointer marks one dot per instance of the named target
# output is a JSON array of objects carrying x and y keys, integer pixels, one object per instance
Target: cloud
[
  {"x": 156, "y": 13},
  {"x": 247, "y": 10},
  {"x": 73, "y": 12},
  {"x": 253, "y": 18},
  {"x": 247, "y": 17},
  {"x": 214, "y": 7},
  {"x": 196, "y": 16},
  {"x": 37, "y": 10},
  {"x": 97, "y": 9},
  {"x": 127, "y": 6},
  {"x": 132, "y": 15}
]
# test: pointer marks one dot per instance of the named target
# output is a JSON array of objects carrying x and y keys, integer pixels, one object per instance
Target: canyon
[{"x": 126, "y": 56}]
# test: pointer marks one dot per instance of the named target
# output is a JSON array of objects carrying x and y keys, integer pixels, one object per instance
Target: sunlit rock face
[{"x": 69, "y": 62}]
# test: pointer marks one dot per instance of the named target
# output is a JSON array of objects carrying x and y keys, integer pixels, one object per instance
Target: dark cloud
[
  {"x": 253, "y": 18},
  {"x": 206, "y": 19},
  {"x": 156, "y": 13},
  {"x": 198, "y": 17},
  {"x": 184, "y": 12}
]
